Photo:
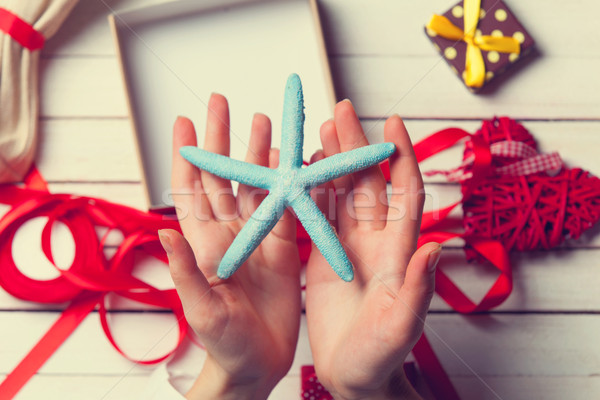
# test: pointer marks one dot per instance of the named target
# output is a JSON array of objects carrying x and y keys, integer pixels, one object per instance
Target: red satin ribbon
[
  {"x": 432, "y": 370},
  {"x": 20, "y": 31},
  {"x": 491, "y": 250},
  {"x": 91, "y": 276}
]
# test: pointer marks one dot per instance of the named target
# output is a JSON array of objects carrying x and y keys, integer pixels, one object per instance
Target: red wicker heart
[{"x": 527, "y": 212}]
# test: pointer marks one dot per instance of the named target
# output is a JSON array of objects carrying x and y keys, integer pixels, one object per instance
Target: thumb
[
  {"x": 190, "y": 282},
  {"x": 419, "y": 283}
]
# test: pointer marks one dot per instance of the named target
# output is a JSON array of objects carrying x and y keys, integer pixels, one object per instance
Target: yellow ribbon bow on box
[{"x": 474, "y": 65}]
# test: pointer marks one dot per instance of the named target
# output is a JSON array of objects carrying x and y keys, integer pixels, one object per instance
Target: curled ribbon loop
[
  {"x": 91, "y": 277},
  {"x": 474, "y": 64}
]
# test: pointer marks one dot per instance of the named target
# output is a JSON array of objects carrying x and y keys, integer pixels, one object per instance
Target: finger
[
  {"x": 324, "y": 237},
  {"x": 331, "y": 146},
  {"x": 286, "y": 227},
  {"x": 216, "y": 140},
  {"x": 191, "y": 203},
  {"x": 192, "y": 286},
  {"x": 251, "y": 235},
  {"x": 406, "y": 202},
  {"x": 249, "y": 197},
  {"x": 419, "y": 285},
  {"x": 343, "y": 185},
  {"x": 324, "y": 195},
  {"x": 370, "y": 198},
  {"x": 402, "y": 323},
  {"x": 273, "y": 158}
]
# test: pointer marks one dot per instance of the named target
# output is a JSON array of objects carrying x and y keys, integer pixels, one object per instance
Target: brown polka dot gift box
[{"x": 479, "y": 39}]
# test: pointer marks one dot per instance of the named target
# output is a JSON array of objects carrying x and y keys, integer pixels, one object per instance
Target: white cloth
[
  {"x": 160, "y": 386},
  {"x": 19, "y": 99}
]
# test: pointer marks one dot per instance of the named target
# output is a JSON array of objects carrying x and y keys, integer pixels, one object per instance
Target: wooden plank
[
  {"x": 413, "y": 87},
  {"x": 85, "y": 32},
  {"x": 72, "y": 387},
  {"x": 104, "y": 149},
  {"x": 105, "y": 153},
  {"x": 527, "y": 387},
  {"x": 426, "y": 88},
  {"x": 554, "y": 280},
  {"x": 394, "y": 27},
  {"x": 519, "y": 345},
  {"x": 396, "y": 49},
  {"x": 571, "y": 139},
  {"x": 87, "y": 150},
  {"x": 558, "y": 280},
  {"x": 564, "y": 279},
  {"x": 87, "y": 351},
  {"x": 66, "y": 387},
  {"x": 84, "y": 87},
  {"x": 128, "y": 194},
  {"x": 516, "y": 345}
]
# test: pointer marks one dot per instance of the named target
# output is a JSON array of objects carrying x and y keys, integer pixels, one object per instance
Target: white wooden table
[{"x": 542, "y": 343}]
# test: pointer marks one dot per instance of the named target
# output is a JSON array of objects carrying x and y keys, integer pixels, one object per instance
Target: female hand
[
  {"x": 249, "y": 323},
  {"x": 361, "y": 332}
]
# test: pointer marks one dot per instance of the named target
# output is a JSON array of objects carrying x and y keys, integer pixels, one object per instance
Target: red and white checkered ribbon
[{"x": 530, "y": 162}]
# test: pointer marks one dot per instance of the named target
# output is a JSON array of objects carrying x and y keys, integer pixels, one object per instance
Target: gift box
[
  {"x": 173, "y": 55},
  {"x": 479, "y": 39}
]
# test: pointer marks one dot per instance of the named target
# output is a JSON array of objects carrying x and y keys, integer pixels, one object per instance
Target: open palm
[
  {"x": 361, "y": 332},
  {"x": 249, "y": 322}
]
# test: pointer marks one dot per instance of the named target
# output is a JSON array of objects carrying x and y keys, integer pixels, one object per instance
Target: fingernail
[
  {"x": 396, "y": 115},
  {"x": 165, "y": 240},
  {"x": 433, "y": 258},
  {"x": 317, "y": 156},
  {"x": 347, "y": 101}
]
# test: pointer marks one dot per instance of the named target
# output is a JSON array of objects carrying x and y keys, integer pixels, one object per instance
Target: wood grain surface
[{"x": 542, "y": 343}]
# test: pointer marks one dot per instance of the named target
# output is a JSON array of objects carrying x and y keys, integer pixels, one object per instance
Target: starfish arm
[
  {"x": 228, "y": 168},
  {"x": 251, "y": 235},
  {"x": 345, "y": 163},
  {"x": 292, "y": 129},
  {"x": 322, "y": 234}
]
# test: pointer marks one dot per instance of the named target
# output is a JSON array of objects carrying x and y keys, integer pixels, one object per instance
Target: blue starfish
[{"x": 288, "y": 185}]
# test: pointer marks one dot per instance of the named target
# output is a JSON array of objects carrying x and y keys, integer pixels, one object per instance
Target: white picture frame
[{"x": 173, "y": 55}]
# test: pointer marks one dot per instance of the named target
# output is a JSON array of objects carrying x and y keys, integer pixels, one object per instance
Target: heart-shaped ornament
[{"x": 526, "y": 200}]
